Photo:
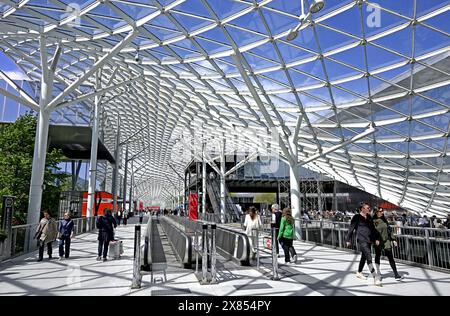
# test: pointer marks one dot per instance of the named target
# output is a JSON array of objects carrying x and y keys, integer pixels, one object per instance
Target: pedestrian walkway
[{"x": 321, "y": 272}]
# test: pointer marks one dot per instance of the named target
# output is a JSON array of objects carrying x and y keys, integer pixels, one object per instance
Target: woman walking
[
  {"x": 286, "y": 236},
  {"x": 387, "y": 240},
  {"x": 252, "y": 222}
]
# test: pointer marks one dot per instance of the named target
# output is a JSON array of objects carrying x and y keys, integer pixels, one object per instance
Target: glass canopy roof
[{"x": 188, "y": 71}]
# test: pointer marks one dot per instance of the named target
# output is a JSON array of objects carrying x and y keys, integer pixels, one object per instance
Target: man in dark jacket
[
  {"x": 105, "y": 225},
  {"x": 366, "y": 234},
  {"x": 65, "y": 234},
  {"x": 276, "y": 218}
]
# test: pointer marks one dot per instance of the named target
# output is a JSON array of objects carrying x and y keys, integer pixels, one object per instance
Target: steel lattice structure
[{"x": 223, "y": 69}]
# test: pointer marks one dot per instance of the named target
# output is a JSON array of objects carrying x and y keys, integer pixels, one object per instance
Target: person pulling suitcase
[{"x": 105, "y": 225}]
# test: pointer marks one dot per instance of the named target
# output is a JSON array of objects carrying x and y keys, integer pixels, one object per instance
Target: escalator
[{"x": 213, "y": 191}]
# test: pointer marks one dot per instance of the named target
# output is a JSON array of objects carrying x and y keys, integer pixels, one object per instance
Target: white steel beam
[
  {"x": 23, "y": 95},
  {"x": 97, "y": 65},
  {"x": 241, "y": 163},
  {"x": 355, "y": 138}
]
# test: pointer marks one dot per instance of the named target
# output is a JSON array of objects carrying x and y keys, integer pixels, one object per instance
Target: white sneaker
[
  {"x": 377, "y": 282},
  {"x": 60, "y": 259},
  {"x": 361, "y": 276},
  {"x": 294, "y": 258}
]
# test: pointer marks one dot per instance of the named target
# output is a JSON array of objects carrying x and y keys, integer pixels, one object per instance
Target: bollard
[
  {"x": 205, "y": 253},
  {"x": 213, "y": 254},
  {"x": 274, "y": 253},
  {"x": 196, "y": 248},
  {"x": 321, "y": 232},
  {"x": 136, "y": 284},
  {"x": 257, "y": 249}
]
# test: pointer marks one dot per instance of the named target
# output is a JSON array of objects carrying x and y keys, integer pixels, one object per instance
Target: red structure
[
  {"x": 193, "y": 204},
  {"x": 103, "y": 200}
]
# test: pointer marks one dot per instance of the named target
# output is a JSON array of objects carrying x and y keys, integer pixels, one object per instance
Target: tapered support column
[
  {"x": 203, "y": 182},
  {"x": 116, "y": 168},
  {"x": 130, "y": 204},
  {"x": 295, "y": 199},
  {"x": 94, "y": 147},
  {"x": 40, "y": 142},
  {"x": 294, "y": 183},
  {"x": 125, "y": 181},
  {"x": 222, "y": 183},
  {"x": 335, "y": 202},
  {"x": 38, "y": 168}
]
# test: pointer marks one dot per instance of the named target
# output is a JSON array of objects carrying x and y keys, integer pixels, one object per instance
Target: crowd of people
[
  {"x": 405, "y": 219},
  {"x": 371, "y": 227},
  {"x": 49, "y": 231}
]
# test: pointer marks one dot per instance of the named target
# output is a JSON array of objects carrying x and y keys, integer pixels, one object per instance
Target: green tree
[
  {"x": 265, "y": 198},
  {"x": 16, "y": 157}
]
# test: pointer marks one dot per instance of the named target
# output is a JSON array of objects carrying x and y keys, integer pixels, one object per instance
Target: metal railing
[
  {"x": 427, "y": 247},
  {"x": 232, "y": 244},
  {"x": 22, "y": 239}
]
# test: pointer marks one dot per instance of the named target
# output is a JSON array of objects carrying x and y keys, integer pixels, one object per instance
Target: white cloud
[{"x": 16, "y": 75}]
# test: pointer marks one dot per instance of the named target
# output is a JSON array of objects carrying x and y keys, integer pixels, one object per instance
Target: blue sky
[{"x": 349, "y": 21}]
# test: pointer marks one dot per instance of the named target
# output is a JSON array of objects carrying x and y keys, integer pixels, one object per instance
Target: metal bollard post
[
  {"x": 332, "y": 235},
  {"x": 274, "y": 253},
  {"x": 196, "y": 247},
  {"x": 257, "y": 249},
  {"x": 321, "y": 232},
  {"x": 137, "y": 258},
  {"x": 205, "y": 253},
  {"x": 213, "y": 254},
  {"x": 339, "y": 236}
]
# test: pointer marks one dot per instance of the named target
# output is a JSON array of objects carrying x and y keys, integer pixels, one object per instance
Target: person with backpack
[
  {"x": 65, "y": 234},
  {"x": 46, "y": 233},
  {"x": 387, "y": 240},
  {"x": 276, "y": 219},
  {"x": 105, "y": 225},
  {"x": 286, "y": 236},
  {"x": 366, "y": 234}
]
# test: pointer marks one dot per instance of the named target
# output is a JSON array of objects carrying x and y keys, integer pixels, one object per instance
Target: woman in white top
[{"x": 252, "y": 222}]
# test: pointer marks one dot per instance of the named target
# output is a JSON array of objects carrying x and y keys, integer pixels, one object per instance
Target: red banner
[{"x": 193, "y": 204}]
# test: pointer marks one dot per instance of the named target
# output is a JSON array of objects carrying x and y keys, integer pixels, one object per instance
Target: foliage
[
  {"x": 16, "y": 157},
  {"x": 265, "y": 198}
]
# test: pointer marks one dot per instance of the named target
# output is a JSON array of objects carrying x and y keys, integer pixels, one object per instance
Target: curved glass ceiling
[{"x": 353, "y": 65}]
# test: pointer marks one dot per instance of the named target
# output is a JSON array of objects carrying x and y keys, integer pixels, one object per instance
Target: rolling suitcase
[{"x": 114, "y": 249}]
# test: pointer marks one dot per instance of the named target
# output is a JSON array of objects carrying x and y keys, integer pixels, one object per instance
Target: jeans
[
  {"x": 64, "y": 242},
  {"x": 287, "y": 248},
  {"x": 366, "y": 255},
  {"x": 388, "y": 253},
  {"x": 41, "y": 249}
]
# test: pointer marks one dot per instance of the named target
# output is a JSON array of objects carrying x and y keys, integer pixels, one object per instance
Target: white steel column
[
  {"x": 203, "y": 181},
  {"x": 130, "y": 204},
  {"x": 116, "y": 168},
  {"x": 94, "y": 148},
  {"x": 38, "y": 167},
  {"x": 40, "y": 142},
  {"x": 295, "y": 188},
  {"x": 222, "y": 182}
]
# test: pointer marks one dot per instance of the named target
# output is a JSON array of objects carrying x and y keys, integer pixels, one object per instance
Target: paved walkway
[{"x": 321, "y": 271}]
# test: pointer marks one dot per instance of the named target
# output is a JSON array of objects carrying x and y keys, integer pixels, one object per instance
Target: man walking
[
  {"x": 366, "y": 234},
  {"x": 65, "y": 234}
]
